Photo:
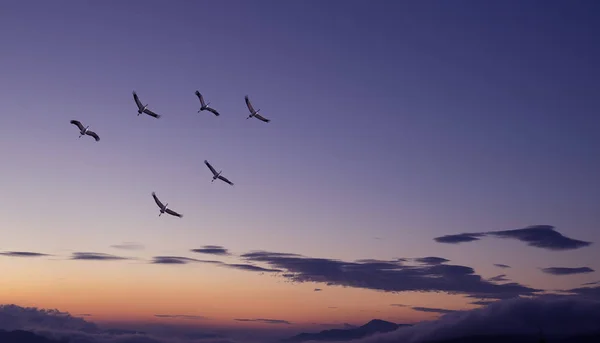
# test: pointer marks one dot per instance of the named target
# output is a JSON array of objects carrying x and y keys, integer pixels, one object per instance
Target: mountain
[
  {"x": 372, "y": 327},
  {"x": 20, "y": 336}
]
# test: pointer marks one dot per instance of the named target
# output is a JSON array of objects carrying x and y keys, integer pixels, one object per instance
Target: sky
[{"x": 395, "y": 126}]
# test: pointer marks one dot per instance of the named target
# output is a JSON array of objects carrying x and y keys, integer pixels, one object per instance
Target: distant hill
[
  {"x": 20, "y": 336},
  {"x": 372, "y": 327}
]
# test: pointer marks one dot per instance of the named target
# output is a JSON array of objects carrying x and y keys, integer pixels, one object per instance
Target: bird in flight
[
  {"x": 163, "y": 208},
  {"x": 204, "y": 106},
  {"x": 254, "y": 113},
  {"x": 215, "y": 174},
  {"x": 143, "y": 108},
  {"x": 84, "y": 130}
]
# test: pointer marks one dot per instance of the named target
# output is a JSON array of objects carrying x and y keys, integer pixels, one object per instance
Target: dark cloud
[
  {"x": 591, "y": 283},
  {"x": 587, "y": 292},
  {"x": 567, "y": 271},
  {"x": 390, "y": 276},
  {"x": 128, "y": 246},
  {"x": 555, "y": 315},
  {"x": 186, "y": 260},
  {"x": 432, "y": 310},
  {"x": 317, "y": 289},
  {"x": 96, "y": 256},
  {"x": 483, "y": 302},
  {"x": 250, "y": 267},
  {"x": 212, "y": 249},
  {"x": 540, "y": 236},
  {"x": 267, "y": 321},
  {"x": 182, "y": 316},
  {"x": 500, "y": 265},
  {"x": 499, "y": 278},
  {"x": 22, "y": 254},
  {"x": 432, "y": 260},
  {"x": 399, "y": 305},
  {"x": 84, "y": 315}
]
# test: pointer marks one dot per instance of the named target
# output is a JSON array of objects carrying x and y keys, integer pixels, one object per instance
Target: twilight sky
[{"x": 392, "y": 123}]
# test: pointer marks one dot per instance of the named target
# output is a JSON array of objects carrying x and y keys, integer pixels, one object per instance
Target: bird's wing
[
  {"x": 160, "y": 204},
  {"x": 201, "y": 99},
  {"x": 173, "y": 213},
  {"x": 150, "y": 113},
  {"x": 213, "y": 111},
  {"x": 78, "y": 124},
  {"x": 258, "y": 116},
  {"x": 224, "y": 179},
  {"x": 210, "y": 167},
  {"x": 249, "y": 104},
  {"x": 93, "y": 134},
  {"x": 137, "y": 101}
]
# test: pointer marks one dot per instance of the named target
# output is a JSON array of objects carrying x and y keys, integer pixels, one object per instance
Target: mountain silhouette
[
  {"x": 372, "y": 327},
  {"x": 20, "y": 336}
]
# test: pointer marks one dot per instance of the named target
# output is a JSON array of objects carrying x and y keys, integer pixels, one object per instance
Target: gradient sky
[{"x": 392, "y": 123}]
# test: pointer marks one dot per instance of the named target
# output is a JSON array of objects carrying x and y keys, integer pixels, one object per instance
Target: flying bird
[
  {"x": 204, "y": 106},
  {"x": 84, "y": 130},
  {"x": 163, "y": 208},
  {"x": 143, "y": 108},
  {"x": 254, "y": 113},
  {"x": 215, "y": 174}
]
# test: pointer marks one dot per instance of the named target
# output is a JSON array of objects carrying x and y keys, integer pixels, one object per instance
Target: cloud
[
  {"x": 22, "y": 254},
  {"x": 483, "y": 302},
  {"x": 212, "y": 249},
  {"x": 96, "y": 256},
  {"x": 389, "y": 276},
  {"x": 540, "y": 236},
  {"x": 500, "y": 265},
  {"x": 499, "y": 278},
  {"x": 317, "y": 289},
  {"x": 182, "y": 316},
  {"x": 267, "y": 321},
  {"x": 591, "y": 283},
  {"x": 250, "y": 267},
  {"x": 567, "y": 271},
  {"x": 186, "y": 260},
  {"x": 128, "y": 246},
  {"x": 555, "y": 315},
  {"x": 432, "y": 310},
  {"x": 432, "y": 260},
  {"x": 399, "y": 305},
  {"x": 586, "y": 292}
]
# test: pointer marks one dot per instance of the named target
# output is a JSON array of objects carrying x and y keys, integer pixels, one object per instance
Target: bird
[
  {"x": 143, "y": 108},
  {"x": 204, "y": 106},
  {"x": 215, "y": 174},
  {"x": 163, "y": 208},
  {"x": 254, "y": 113},
  {"x": 84, "y": 130}
]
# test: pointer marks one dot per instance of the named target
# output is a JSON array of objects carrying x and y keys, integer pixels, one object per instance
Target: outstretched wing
[
  {"x": 249, "y": 104},
  {"x": 150, "y": 113},
  {"x": 224, "y": 179},
  {"x": 201, "y": 99},
  {"x": 258, "y": 116},
  {"x": 78, "y": 124},
  {"x": 93, "y": 134},
  {"x": 213, "y": 111},
  {"x": 137, "y": 100},
  {"x": 210, "y": 167},
  {"x": 173, "y": 213},
  {"x": 160, "y": 204}
]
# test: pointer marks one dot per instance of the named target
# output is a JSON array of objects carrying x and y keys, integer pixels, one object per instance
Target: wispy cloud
[
  {"x": 500, "y": 265},
  {"x": 267, "y": 321},
  {"x": 213, "y": 250},
  {"x": 431, "y": 260},
  {"x": 540, "y": 236},
  {"x": 432, "y": 310},
  {"x": 22, "y": 254},
  {"x": 180, "y": 316},
  {"x": 499, "y": 278},
  {"x": 390, "y": 276},
  {"x": 179, "y": 260},
  {"x": 128, "y": 246},
  {"x": 96, "y": 256},
  {"x": 567, "y": 271},
  {"x": 591, "y": 283},
  {"x": 317, "y": 289},
  {"x": 399, "y": 305}
]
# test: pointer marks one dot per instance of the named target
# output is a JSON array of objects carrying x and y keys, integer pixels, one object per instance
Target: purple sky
[{"x": 402, "y": 120}]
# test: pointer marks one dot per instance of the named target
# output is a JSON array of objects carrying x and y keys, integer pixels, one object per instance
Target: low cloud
[
  {"x": 212, "y": 249},
  {"x": 500, "y": 265},
  {"x": 22, "y": 254},
  {"x": 267, "y": 321},
  {"x": 181, "y": 316},
  {"x": 554, "y": 315},
  {"x": 432, "y": 310},
  {"x": 389, "y": 276},
  {"x": 96, "y": 256},
  {"x": 499, "y": 278},
  {"x": 567, "y": 271},
  {"x": 587, "y": 292},
  {"x": 128, "y": 246},
  {"x": 539, "y": 236}
]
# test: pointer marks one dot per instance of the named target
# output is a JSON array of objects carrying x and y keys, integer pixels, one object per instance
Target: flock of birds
[{"x": 84, "y": 130}]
